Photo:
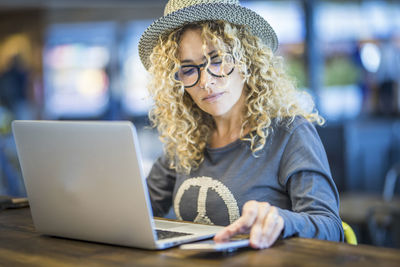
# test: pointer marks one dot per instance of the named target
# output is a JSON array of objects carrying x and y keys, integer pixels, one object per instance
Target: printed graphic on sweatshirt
[{"x": 204, "y": 185}]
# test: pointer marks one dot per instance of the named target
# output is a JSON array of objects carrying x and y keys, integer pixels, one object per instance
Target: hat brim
[{"x": 228, "y": 12}]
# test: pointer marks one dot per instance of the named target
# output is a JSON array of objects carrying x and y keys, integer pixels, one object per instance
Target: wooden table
[
  {"x": 21, "y": 245},
  {"x": 355, "y": 207}
]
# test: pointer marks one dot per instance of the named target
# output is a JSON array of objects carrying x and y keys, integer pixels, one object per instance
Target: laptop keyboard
[{"x": 164, "y": 234}]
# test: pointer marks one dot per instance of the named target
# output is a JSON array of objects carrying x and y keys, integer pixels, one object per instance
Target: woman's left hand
[{"x": 260, "y": 219}]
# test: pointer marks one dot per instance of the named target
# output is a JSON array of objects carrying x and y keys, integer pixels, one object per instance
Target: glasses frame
[{"x": 201, "y": 66}]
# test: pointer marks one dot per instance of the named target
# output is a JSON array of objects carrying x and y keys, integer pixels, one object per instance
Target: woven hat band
[{"x": 174, "y": 5}]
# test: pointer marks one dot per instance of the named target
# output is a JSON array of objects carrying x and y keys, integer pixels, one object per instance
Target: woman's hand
[{"x": 260, "y": 219}]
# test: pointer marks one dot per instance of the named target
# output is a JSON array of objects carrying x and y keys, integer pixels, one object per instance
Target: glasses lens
[
  {"x": 218, "y": 67},
  {"x": 188, "y": 75},
  {"x": 221, "y": 66}
]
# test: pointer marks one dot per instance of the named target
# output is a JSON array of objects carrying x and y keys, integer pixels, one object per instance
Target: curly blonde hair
[{"x": 270, "y": 94}]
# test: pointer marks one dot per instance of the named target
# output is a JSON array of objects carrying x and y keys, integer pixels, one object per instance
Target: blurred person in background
[
  {"x": 14, "y": 104},
  {"x": 14, "y": 86},
  {"x": 240, "y": 146}
]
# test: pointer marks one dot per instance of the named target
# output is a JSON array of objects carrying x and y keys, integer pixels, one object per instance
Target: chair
[
  {"x": 349, "y": 234},
  {"x": 384, "y": 220},
  {"x": 384, "y": 226},
  {"x": 390, "y": 182}
]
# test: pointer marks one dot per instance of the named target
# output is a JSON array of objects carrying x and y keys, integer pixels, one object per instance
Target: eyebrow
[{"x": 191, "y": 61}]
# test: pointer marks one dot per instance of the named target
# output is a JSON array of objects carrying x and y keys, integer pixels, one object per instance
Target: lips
[{"x": 212, "y": 97}]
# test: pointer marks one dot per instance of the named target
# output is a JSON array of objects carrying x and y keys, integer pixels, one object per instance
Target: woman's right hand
[{"x": 260, "y": 219}]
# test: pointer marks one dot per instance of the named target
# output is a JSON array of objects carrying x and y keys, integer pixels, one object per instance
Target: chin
[{"x": 216, "y": 112}]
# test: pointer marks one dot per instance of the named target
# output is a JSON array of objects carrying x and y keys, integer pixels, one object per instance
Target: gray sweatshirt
[{"x": 291, "y": 172}]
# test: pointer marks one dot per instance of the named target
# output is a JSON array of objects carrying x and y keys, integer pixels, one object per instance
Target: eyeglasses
[{"x": 219, "y": 67}]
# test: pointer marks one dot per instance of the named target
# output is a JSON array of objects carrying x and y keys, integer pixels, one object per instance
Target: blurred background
[{"x": 78, "y": 60}]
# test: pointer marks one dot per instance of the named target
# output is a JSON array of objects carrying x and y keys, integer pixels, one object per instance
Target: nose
[{"x": 204, "y": 78}]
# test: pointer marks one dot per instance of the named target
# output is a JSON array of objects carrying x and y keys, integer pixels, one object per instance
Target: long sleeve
[
  {"x": 314, "y": 198},
  {"x": 160, "y": 182},
  {"x": 314, "y": 208}
]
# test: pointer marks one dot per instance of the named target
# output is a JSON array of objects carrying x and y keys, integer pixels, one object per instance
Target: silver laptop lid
[{"x": 78, "y": 177}]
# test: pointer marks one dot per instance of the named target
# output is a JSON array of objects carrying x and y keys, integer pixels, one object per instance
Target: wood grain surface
[{"x": 21, "y": 245}]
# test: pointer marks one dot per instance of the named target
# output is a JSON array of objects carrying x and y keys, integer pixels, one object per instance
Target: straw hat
[{"x": 180, "y": 12}]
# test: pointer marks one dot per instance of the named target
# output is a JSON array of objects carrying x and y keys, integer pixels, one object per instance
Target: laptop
[{"x": 84, "y": 180}]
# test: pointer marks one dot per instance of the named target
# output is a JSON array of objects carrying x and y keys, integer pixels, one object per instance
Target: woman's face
[{"x": 218, "y": 96}]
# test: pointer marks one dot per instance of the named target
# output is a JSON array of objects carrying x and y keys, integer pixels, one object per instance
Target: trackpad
[{"x": 162, "y": 224}]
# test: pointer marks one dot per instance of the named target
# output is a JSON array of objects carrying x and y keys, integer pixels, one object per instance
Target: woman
[{"x": 240, "y": 147}]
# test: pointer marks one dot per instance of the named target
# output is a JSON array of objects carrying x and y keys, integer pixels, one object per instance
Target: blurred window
[
  {"x": 287, "y": 19},
  {"x": 355, "y": 20},
  {"x": 76, "y": 75},
  {"x": 135, "y": 98},
  {"x": 348, "y": 32}
]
